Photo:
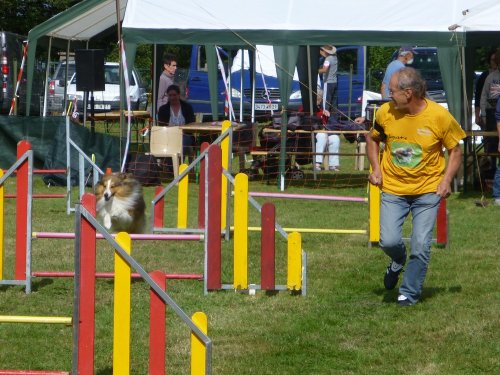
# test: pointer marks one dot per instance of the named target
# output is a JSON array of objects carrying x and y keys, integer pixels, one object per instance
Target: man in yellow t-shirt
[{"x": 412, "y": 175}]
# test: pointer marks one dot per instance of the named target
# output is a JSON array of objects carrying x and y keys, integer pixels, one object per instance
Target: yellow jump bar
[
  {"x": 35, "y": 319},
  {"x": 313, "y": 230}
]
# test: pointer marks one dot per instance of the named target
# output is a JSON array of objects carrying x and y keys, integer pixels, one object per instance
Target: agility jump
[{"x": 84, "y": 313}]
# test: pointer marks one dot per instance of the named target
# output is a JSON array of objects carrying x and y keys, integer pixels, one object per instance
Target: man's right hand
[{"x": 375, "y": 178}]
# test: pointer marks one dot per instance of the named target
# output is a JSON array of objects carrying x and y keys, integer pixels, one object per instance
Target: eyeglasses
[{"x": 399, "y": 90}]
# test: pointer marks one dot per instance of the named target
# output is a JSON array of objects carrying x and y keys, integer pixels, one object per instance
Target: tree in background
[
  {"x": 20, "y": 16},
  {"x": 377, "y": 60}
]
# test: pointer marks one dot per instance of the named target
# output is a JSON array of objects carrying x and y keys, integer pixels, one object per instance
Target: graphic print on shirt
[{"x": 407, "y": 155}]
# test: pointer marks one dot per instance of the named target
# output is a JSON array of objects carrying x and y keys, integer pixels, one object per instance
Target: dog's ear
[{"x": 129, "y": 176}]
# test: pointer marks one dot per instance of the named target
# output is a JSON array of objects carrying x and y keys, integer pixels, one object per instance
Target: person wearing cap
[
  {"x": 413, "y": 176},
  {"x": 329, "y": 71},
  {"x": 405, "y": 56}
]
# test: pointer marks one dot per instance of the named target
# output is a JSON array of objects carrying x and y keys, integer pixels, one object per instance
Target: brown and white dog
[{"x": 120, "y": 203}]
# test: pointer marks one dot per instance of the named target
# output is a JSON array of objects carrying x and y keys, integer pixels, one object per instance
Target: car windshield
[
  {"x": 112, "y": 74},
  {"x": 427, "y": 63},
  {"x": 61, "y": 72}
]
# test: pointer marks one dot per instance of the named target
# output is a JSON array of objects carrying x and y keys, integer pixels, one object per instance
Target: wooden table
[
  {"x": 481, "y": 133},
  {"x": 205, "y": 127},
  {"x": 138, "y": 118},
  {"x": 208, "y": 128},
  {"x": 116, "y": 115}
]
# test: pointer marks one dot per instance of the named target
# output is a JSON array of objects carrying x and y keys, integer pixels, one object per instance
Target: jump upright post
[{"x": 24, "y": 194}]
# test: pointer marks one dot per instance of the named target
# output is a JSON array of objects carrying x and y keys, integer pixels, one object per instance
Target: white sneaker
[
  {"x": 404, "y": 301},
  {"x": 496, "y": 201}
]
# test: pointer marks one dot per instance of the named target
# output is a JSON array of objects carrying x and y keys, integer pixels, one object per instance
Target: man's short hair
[
  {"x": 175, "y": 88},
  {"x": 168, "y": 58},
  {"x": 410, "y": 78}
]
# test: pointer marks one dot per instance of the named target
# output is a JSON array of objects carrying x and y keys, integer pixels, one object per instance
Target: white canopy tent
[
  {"x": 296, "y": 20},
  {"x": 481, "y": 16}
]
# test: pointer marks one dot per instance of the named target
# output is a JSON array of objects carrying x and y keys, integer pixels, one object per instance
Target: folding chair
[{"x": 166, "y": 142}]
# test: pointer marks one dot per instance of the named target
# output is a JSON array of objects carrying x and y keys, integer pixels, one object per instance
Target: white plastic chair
[{"x": 166, "y": 142}]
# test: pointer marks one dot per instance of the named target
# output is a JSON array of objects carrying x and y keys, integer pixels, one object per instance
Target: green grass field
[{"x": 347, "y": 324}]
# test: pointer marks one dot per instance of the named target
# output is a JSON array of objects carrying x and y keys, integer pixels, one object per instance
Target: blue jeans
[
  {"x": 496, "y": 184},
  {"x": 330, "y": 96},
  {"x": 393, "y": 212}
]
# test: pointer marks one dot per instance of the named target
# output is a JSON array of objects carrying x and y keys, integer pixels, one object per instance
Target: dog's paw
[{"x": 107, "y": 221}]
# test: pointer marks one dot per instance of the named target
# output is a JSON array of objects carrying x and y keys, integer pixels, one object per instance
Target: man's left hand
[{"x": 443, "y": 190}]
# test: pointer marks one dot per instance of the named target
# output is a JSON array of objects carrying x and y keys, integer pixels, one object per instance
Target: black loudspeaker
[{"x": 89, "y": 65}]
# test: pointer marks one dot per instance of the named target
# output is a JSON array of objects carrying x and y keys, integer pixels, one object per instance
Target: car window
[
  {"x": 111, "y": 76},
  {"x": 427, "y": 63},
  {"x": 61, "y": 71},
  {"x": 346, "y": 59}
]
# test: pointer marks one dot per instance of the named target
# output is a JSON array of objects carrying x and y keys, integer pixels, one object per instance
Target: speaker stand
[{"x": 92, "y": 110}]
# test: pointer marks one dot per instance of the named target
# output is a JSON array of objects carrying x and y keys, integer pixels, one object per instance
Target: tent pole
[
  {"x": 123, "y": 133},
  {"x": 468, "y": 124},
  {"x": 85, "y": 93},
  {"x": 232, "y": 116},
  {"x": 241, "y": 83},
  {"x": 46, "y": 91},
  {"x": 66, "y": 73},
  {"x": 153, "y": 85},
  {"x": 252, "y": 56},
  {"x": 309, "y": 79}
]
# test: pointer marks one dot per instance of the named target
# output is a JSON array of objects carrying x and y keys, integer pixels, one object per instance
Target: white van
[{"x": 109, "y": 99}]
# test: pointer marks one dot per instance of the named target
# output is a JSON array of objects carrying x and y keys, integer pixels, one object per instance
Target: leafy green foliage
[{"x": 20, "y": 16}]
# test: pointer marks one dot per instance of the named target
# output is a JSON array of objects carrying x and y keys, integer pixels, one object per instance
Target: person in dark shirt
[
  {"x": 479, "y": 87},
  {"x": 177, "y": 112}
]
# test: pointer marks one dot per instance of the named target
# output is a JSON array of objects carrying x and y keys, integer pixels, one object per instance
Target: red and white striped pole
[{"x": 19, "y": 76}]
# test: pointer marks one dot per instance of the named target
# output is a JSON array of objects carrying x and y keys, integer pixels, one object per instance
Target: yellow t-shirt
[{"x": 413, "y": 161}]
